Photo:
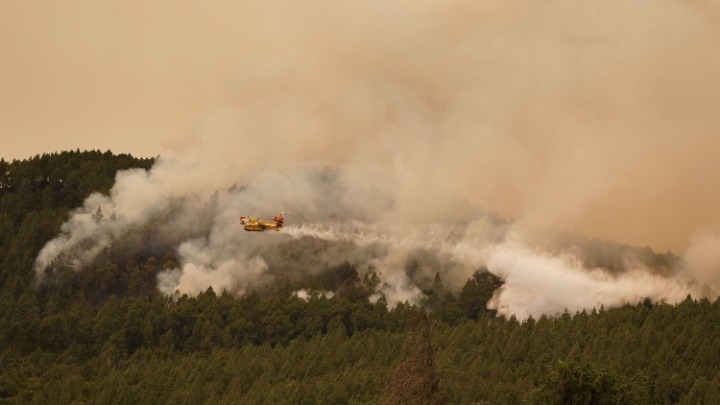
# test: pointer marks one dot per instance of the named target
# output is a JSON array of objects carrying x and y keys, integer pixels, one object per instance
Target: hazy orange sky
[
  {"x": 593, "y": 116},
  {"x": 127, "y": 76}
]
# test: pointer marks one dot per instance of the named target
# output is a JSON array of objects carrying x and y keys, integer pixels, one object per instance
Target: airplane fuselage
[
  {"x": 260, "y": 226},
  {"x": 256, "y": 225}
]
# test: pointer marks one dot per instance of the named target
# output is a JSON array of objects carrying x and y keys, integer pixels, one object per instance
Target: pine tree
[{"x": 415, "y": 381}]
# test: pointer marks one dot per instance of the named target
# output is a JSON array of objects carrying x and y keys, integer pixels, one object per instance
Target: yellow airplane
[{"x": 254, "y": 224}]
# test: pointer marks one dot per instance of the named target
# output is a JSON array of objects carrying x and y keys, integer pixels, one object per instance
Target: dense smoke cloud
[{"x": 392, "y": 129}]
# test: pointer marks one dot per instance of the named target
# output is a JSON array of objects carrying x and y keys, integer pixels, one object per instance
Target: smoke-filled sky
[
  {"x": 582, "y": 116},
  {"x": 593, "y": 116}
]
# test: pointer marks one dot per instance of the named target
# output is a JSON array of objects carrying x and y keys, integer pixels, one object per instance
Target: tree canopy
[{"x": 106, "y": 335}]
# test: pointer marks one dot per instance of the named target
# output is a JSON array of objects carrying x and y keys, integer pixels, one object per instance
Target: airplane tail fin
[{"x": 280, "y": 219}]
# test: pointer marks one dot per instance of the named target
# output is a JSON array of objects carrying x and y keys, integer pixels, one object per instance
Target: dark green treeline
[{"x": 105, "y": 335}]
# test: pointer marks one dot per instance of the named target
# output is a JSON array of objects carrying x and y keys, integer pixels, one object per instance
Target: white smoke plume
[
  {"x": 702, "y": 261},
  {"x": 306, "y": 295},
  {"x": 388, "y": 131},
  {"x": 538, "y": 283},
  {"x": 215, "y": 251}
]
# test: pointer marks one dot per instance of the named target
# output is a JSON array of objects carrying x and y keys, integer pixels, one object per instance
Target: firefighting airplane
[{"x": 254, "y": 224}]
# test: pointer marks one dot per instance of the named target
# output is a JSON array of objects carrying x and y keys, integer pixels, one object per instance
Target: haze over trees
[{"x": 104, "y": 334}]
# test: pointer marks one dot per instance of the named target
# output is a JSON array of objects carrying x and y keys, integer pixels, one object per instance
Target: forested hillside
[{"x": 104, "y": 334}]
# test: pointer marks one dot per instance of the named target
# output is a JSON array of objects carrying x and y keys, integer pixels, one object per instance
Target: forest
[{"x": 106, "y": 335}]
